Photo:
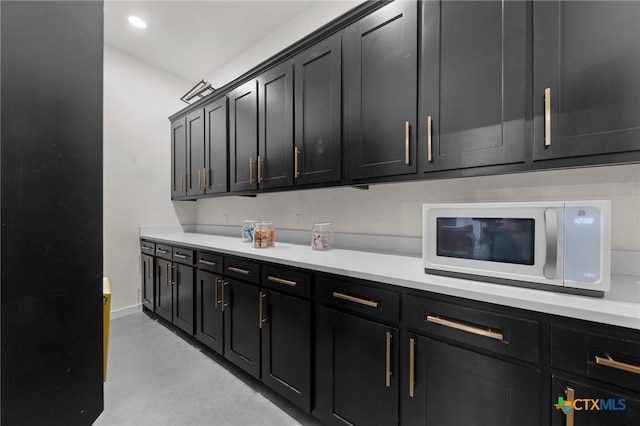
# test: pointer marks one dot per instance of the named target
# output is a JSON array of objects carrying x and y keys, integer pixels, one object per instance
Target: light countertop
[{"x": 620, "y": 306}]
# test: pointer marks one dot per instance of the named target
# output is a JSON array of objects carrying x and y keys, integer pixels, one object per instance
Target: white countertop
[{"x": 620, "y": 306}]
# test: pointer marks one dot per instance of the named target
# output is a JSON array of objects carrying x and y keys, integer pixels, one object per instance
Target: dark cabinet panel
[
  {"x": 381, "y": 53},
  {"x": 195, "y": 153},
  {"x": 148, "y": 282},
  {"x": 242, "y": 325},
  {"x": 183, "y": 296},
  {"x": 318, "y": 113},
  {"x": 178, "y": 158},
  {"x": 243, "y": 137},
  {"x": 356, "y": 371},
  {"x": 209, "y": 310},
  {"x": 215, "y": 176},
  {"x": 164, "y": 294},
  {"x": 447, "y": 385},
  {"x": 275, "y": 118},
  {"x": 473, "y": 84},
  {"x": 286, "y": 347},
  {"x": 587, "y": 54}
]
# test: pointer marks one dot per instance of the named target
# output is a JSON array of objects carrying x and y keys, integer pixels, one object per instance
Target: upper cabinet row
[{"x": 414, "y": 88}]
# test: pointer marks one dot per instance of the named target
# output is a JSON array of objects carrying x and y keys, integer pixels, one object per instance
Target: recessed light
[{"x": 137, "y": 22}]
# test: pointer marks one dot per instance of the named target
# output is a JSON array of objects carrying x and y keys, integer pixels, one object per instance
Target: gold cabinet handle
[
  {"x": 406, "y": 142},
  {"x": 282, "y": 281},
  {"x": 296, "y": 162},
  {"x": 149, "y": 268},
  {"x": 171, "y": 269},
  {"x": 179, "y": 256},
  {"x": 238, "y": 270},
  {"x": 571, "y": 395},
  {"x": 222, "y": 300},
  {"x": 206, "y": 262},
  {"x": 162, "y": 251},
  {"x": 412, "y": 366},
  {"x": 618, "y": 365},
  {"x": 261, "y": 319},
  {"x": 370, "y": 303},
  {"x": 250, "y": 170},
  {"x": 387, "y": 363},
  {"x": 463, "y": 327},
  {"x": 547, "y": 116},
  {"x": 146, "y": 248},
  {"x": 260, "y": 162},
  {"x": 429, "y": 140}
]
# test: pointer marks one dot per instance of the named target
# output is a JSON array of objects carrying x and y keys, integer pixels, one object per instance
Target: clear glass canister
[
  {"x": 264, "y": 235},
  {"x": 247, "y": 230},
  {"x": 322, "y": 236}
]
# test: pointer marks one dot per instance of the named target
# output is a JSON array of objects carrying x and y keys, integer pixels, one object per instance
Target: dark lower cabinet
[
  {"x": 242, "y": 323},
  {"x": 356, "y": 371},
  {"x": 164, "y": 295},
  {"x": 209, "y": 310},
  {"x": 592, "y": 405},
  {"x": 183, "y": 297},
  {"x": 286, "y": 346},
  {"x": 148, "y": 282},
  {"x": 446, "y": 385}
]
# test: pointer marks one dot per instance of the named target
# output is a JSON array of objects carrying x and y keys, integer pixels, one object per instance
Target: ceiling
[{"x": 192, "y": 39}]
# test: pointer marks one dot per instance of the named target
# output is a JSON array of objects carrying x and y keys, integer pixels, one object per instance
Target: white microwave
[{"x": 559, "y": 246}]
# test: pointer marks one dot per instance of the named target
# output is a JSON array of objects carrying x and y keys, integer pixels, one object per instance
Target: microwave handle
[{"x": 551, "y": 227}]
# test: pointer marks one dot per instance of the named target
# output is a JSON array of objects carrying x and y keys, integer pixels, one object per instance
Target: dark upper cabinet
[
  {"x": 275, "y": 118},
  {"x": 195, "y": 153},
  {"x": 148, "y": 281},
  {"x": 178, "y": 158},
  {"x": 381, "y": 88},
  {"x": 243, "y": 137},
  {"x": 473, "y": 79},
  {"x": 209, "y": 310},
  {"x": 215, "y": 175},
  {"x": 586, "y": 84},
  {"x": 318, "y": 113}
]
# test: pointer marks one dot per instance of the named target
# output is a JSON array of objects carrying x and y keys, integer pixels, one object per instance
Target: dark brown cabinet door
[
  {"x": 587, "y": 54},
  {"x": 275, "y": 118},
  {"x": 183, "y": 301},
  {"x": 196, "y": 153},
  {"x": 381, "y": 57},
  {"x": 286, "y": 347},
  {"x": 318, "y": 113},
  {"x": 473, "y": 84},
  {"x": 613, "y": 408},
  {"x": 216, "y": 170},
  {"x": 164, "y": 294},
  {"x": 209, "y": 310},
  {"x": 243, "y": 137},
  {"x": 179, "y": 158},
  {"x": 148, "y": 282},
  {"x": 453, "y": 386},
  {"x": 356, "y": 371},
  {"x": 242, "y": 325}
]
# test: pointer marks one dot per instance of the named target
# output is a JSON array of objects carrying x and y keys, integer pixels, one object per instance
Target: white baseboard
[{"x": 123, "y": 312}]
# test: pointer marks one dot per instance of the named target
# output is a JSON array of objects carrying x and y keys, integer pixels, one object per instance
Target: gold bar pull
[
  {"x": 412, "y": 367},
  {"x": 261, "y": 319},
  {"x": 146, "y": 248},
  {"x": 406, "y": 143},
  {"x": 547, "y": 116},
  {"x": 282, "y": 281},
  {"x": 206, "y": 262},
  {"x": 260, "y": 161},
  {"x": 238, "y": 270},
  {"x": 296, "y": 162},
  {"x": 179, "y": 256},
  {"x": 250, "y": 170},
  {"x": 609, "y": 362},
  {"x": 571, "y": 395},
  {"x": 370, "y": 303},
  {"x": 463, "y": 327},
  {"x": 387, "y": 373},
  {"x": 429, "y": 140},
  {"x": 171, "y": 269}
]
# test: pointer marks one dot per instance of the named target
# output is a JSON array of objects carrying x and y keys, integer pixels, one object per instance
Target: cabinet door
[
  {"x": 178, "y": 158},
  {"x": 243, "y": 137},
  {"x": 286, "y": 347},
  {"x": 148, "y": 281},
  {"x": 242, "y": 325},
  {"x": 209, "y": 310},
  {"x": 453, "y": 386},
  {"x": 183, "y": 300},
  {"x": 382, "y": 85},
  {"x": 216, "y": 171},
  {"x": 318, "y": 113},
  {"x": 613, "y": 408},
  {"x": 473, "y": 84},
  {"x": 356, "y": 371},
  {"x": 275, "y": 118},
  {"x": 195, "y": 153},
  {"x": 164, "y": 294},
  {"x": 587, "y": 53}
]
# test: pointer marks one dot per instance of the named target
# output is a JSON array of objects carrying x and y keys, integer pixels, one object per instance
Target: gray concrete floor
[{"x": 157, "y": 377}]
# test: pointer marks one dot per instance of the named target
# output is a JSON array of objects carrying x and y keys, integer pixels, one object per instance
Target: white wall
[{"x": 138, "y": 99}]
